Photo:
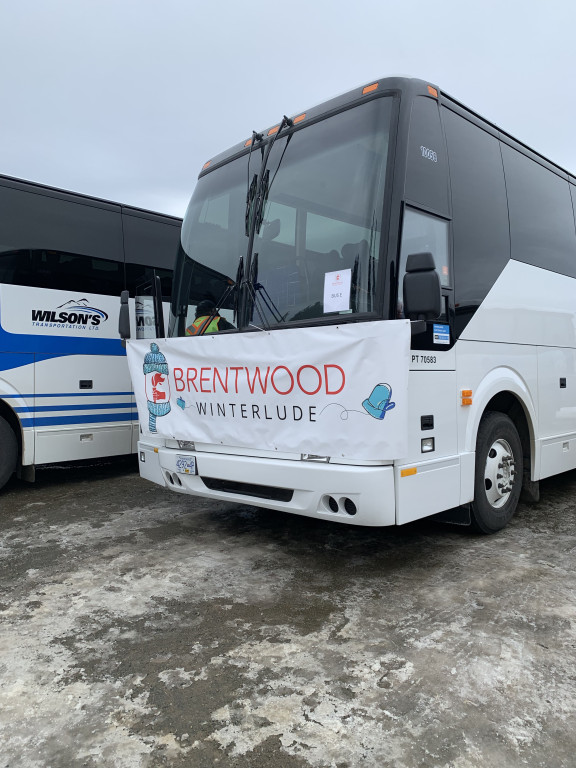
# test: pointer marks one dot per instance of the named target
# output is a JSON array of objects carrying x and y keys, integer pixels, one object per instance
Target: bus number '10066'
[{"x": 429, "y": 154}]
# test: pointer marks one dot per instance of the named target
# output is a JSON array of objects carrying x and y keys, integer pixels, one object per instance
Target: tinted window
[
  {"x": 316, "y": 255},
  {"x": 481, "y": 239},
  {"x": 150, "y": 241},
  {"x": 151, "y": 246},
  {"x": 328, "y": 184},
  {"x": 280, "y": 225},
  {"x": 37, "y": 221},
  {"x": 139, "y": 275},
  {"x": 422, "y": 233},
  {"x": 427, "y": 168},
  {"x": 541, "y": 217},
  {"x": 61, "y": 270},
  {"x": 52, "y": 242}
]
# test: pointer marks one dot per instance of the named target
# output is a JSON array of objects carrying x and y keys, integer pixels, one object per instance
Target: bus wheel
[
  {"x": 498, "y": 479},
  {"x": 8, "y": 452}
]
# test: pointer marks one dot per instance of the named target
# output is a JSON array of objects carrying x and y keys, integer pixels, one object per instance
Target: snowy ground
[{"x": 141, "y": 628}]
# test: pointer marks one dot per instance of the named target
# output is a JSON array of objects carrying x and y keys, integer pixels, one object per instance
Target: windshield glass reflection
[{"x": 316, "y": 254}]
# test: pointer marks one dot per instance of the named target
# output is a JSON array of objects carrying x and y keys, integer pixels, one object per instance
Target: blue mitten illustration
[{"x": 379, "y": 401}]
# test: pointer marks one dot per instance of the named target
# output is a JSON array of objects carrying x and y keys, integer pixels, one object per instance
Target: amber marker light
[
  {"x": 247, "y": 143},
  {"x": 206, "y": 165},
  {"x": 432, "y": 91},
  {"x": 274, "y": 130},
  {"x": 299, "y": 118},
  {"x": 370, "y": 88},
  {"x": 466, "y": 395},
  {"x": 407, "y": 472}
]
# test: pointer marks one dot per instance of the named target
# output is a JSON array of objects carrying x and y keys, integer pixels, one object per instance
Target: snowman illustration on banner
[{"x": 157, "y": 385}]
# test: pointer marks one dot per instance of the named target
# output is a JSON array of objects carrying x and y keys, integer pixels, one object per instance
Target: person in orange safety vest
[{"x": 204, "y": 311}]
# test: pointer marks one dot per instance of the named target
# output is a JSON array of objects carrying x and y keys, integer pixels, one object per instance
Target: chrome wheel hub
[{"x": 499, "y": 473}]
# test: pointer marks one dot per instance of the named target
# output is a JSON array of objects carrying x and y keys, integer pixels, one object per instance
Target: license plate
[{"x": 186, "y": 465}]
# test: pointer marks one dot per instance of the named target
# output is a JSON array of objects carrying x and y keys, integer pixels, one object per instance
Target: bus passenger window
[{"x": 422, "y": 232}]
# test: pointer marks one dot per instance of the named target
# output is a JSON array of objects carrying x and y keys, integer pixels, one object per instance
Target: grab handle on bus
[{"x": 124, "y": 317}]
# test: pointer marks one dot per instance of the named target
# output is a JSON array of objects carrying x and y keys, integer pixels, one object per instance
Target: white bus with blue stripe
[{"x": 65, "y": 390}]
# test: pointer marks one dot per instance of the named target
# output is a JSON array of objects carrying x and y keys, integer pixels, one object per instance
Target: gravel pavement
[{"x": 140, "y": 628}]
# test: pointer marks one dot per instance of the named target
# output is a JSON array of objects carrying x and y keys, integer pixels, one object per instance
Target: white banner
[{"x": 331, "y": 391}]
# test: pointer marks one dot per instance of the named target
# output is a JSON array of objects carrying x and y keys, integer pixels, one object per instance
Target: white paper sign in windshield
[
  {"x": 332, "y": 391},
  {"x": 337, "y": 290}
]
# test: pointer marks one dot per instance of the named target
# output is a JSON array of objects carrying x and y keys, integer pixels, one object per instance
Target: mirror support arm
[{"x": 124, "y": 317}]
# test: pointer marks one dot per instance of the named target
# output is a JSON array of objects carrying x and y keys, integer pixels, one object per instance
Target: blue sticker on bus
[{"x": 441, "y": 334}]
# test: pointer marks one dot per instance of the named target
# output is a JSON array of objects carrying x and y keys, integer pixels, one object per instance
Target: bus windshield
[{"x": 316, "y": 244}]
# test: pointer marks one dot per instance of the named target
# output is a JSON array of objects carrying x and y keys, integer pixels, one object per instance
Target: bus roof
[
  {"x": 412, "y": 86},
  {"x": 44, "y": 189}
]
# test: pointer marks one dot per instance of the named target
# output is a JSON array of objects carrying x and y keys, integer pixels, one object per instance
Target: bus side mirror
[
  {"x": 422, "y": 295},
  {"x": 124, "y": 317}
]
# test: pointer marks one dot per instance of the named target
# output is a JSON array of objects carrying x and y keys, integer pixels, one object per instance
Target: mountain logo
[{"x": 75, "y": 313}]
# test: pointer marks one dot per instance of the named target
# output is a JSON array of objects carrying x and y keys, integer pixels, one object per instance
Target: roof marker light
[
  {"x": 299, "y": 118},
  {"x": 206, "y": 165},
  {"x": 370, "y": 88},
  {"x": 432, "y": 91},
  {"x": 247, "y": 143},
  {"x": 273, "y": 130}
]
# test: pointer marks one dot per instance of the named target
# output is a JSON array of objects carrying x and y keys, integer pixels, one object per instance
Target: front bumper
[{"x": 358, "y": 495}]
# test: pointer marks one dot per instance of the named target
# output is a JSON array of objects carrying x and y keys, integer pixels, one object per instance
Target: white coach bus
[
  {"x": 65, "y": 390},
  {"x": 398, "y": 281}
]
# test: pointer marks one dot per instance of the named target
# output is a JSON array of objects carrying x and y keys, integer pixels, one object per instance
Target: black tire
[
  {"x": 8, "y": 452},
  {"x": 498, "y": 477}
]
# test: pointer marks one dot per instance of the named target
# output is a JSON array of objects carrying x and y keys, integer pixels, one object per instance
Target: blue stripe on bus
[
  {"x": 70, "y": 394},
  {"x": 47, "y": 347},
  {"x": 11, "y": 360},
  {"x": 53, "y": 421},
  {"x": 80, "y": 407},
  {"x": 8, "y": 361}
]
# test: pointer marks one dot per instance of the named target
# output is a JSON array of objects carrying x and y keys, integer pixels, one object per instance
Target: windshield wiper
[
  {"x": 252, "y": 185},
  {"x": 260, "y": 296},
  {"x": 230, "y": 291},
  {"x": 259, "y": 186},
  {"x": 259, "y": 212},
  {"x": 257, "y": 194},
  {"x": 267, "y": 184},
  {"x": 239, "y": 278},
  {"x": 250, "y": 197}
]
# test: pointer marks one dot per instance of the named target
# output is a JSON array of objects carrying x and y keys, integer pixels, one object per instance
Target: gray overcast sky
[{"x": 126, "y": 99}]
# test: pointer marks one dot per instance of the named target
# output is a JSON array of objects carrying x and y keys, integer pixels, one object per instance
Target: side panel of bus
[
  {"x": 78, "y": 402},
  {"x": 508, "y": 249},
  {"x": 64, "y": 259}
]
